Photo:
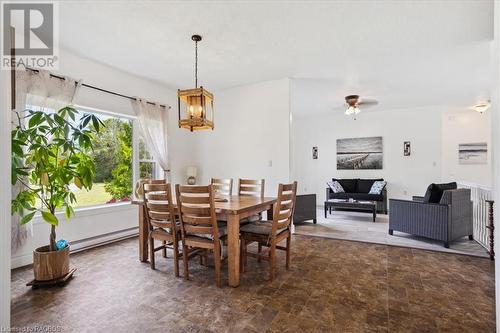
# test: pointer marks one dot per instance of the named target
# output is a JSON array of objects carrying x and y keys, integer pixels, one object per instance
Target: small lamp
[{"x": 191, "y": 174}]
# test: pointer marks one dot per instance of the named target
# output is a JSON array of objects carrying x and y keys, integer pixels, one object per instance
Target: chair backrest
[
  {"x": 157, "y": 181},
  {"x": 251, "y": 187},
  {"x": 197, "y": 211},
  {"x": 160, "y": 209},
  {"x": 222, "y": 186},
  {"x": 285, "y": 206}
]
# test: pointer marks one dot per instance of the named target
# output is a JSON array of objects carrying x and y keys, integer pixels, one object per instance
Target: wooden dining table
[{"x": 232, "y": 209}]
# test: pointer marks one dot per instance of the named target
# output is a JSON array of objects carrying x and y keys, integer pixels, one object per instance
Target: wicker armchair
[{"x": 445, "y": 221}]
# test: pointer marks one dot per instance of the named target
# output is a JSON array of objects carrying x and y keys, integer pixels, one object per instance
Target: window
[
  {"x": 147, "y": 165},
  {"x": 119, "y": 154},
  {"x": 113, "y": 160}
]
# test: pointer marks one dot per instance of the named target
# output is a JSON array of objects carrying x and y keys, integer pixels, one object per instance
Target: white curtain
[
  {"x": 38, "y": 91},
  {"x": 153, "y": 120}
]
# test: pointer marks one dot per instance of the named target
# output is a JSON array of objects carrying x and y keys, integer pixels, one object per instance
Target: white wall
[
  {"x": 91, "y": 223},
  {"x": 466, "y": 127},
  {"x": 496, "y": 146},
  {"x": 406, "y": 176},
  {"x": 251, "y": 136},
  {"x": 5, "y": 200}
]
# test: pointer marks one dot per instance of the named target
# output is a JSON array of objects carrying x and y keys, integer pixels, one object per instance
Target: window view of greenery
[
  {"x": 147, "y": 165},
  {"x": 113, "y": 158}
]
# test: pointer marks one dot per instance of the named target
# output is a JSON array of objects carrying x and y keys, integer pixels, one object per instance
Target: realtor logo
[{"x": 29, "y": 32}]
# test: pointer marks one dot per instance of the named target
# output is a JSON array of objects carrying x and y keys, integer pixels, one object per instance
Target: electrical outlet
[{"x": 270, "y": 163}]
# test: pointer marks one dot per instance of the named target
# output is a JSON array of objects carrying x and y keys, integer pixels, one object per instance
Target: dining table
[{"x": 232, "y": 209}]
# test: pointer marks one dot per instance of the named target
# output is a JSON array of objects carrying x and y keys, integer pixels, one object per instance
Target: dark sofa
[{"x": 358, "y": 189}]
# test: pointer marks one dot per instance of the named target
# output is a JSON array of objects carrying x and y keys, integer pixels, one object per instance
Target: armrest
[
  {"x": 328, "y": 191},
  {"x": 418, "y": 198}
]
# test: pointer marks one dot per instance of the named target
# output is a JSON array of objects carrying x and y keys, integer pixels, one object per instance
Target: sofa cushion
[
  {"x": 357, "y": 196},
  {"x": 365, "y": 185},
  {"x": 377, "y": 187},
  {"x": 349, "y": 185},
  {"x": 335, "y": 186},
  {"x": 435, "y": 191}
]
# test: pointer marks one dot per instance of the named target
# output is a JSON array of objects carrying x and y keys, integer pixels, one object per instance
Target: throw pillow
[
  {"x": 435, "y": 192},
  {"x": 335, "y": 187},
  {"x": 378, "y": 187}
]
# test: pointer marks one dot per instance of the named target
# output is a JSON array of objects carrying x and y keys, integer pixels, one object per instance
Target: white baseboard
[{"x": 82, "y": 244}]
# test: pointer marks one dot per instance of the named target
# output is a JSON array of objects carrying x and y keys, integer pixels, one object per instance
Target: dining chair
[
  {"x": 222, "y": 186},
  {"x": 199, "y": 227},
  {"x": 251, "y": 187},
  {"x": 158, "y": 181},
  {"x": 254, "y": 188},
  {"x": 270, "y": 233},
  {"x": 161, "y": 220}
]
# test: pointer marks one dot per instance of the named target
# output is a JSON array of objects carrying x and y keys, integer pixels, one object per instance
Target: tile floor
[{"x": 332, "y": 286}]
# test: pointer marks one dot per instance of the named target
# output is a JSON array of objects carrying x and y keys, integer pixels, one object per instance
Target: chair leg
[
  {"x": 164, "y": 251},
  {"x": 217, "y": 261},
  {"x": 272, "y": 261},
  {"x": 288, "y": 250},
  {"x": 185, "y": 260},
  {"x": 471, "y": 237},
  {"x": 176, "y": 258},
  {"x": 446, "y": 245},
  {"x": 152, "y": 252},
  {"x": 259, "y": 250}
]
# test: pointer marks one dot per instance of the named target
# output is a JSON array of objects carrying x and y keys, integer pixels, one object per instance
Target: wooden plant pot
[{"x": 50, "y": 265}]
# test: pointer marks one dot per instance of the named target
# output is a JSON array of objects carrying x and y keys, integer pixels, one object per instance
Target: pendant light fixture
[{"x": 196, "y": 105}]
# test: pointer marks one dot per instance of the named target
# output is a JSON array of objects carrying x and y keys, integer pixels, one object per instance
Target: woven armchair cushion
[{"x": 260, "y": 228}]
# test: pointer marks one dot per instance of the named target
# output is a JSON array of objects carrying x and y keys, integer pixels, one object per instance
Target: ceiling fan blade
[{"x": 367, "y": 102}]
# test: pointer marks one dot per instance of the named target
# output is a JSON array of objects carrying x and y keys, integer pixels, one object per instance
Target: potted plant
[{"x": 50, "y": 152}]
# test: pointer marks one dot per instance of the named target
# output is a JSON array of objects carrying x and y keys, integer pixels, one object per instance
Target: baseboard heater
[
  {"x": 84, "y": 244},
  {"x": 104, "y": 239}
]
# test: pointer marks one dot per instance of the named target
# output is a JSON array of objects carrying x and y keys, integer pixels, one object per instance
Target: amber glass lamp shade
[{"x": 196, "y": 109}]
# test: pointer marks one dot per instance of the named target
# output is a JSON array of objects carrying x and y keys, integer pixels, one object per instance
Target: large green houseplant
[{"x": 50, "y": 151}]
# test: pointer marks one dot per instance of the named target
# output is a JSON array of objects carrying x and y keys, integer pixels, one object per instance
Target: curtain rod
[{"x": 99, "y": 89}]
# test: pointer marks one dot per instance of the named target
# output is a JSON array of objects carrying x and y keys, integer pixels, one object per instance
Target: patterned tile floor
[
  {"x": 332, "y": 286},
  {"x": 359, "y": 227}
]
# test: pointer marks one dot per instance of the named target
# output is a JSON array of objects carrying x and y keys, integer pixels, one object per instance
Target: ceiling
[{"x": 404, "y": 51}]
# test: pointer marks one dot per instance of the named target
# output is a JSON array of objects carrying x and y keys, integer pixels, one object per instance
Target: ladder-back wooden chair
[
  {"x": 199, "y": 227},
  {"x": 270, "y": 233},
  {"x": 161, "y": 220},
  {"x": 251, "y": 187},
  {"x": 222, "y": 186}
]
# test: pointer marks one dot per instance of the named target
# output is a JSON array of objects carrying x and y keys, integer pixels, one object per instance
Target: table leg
[
  {"x": 233, "y": 249},
  {"x": 143, "y": 236},
  {"x": 326, "y": 208},
  {"x": 374, "y": 214}
]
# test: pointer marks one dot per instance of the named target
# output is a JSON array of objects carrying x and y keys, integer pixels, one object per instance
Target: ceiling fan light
[
  {"x": 481, "y": 107},
  {"x": 352, "y": 110}
]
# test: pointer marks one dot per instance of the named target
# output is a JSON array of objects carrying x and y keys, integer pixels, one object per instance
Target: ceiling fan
[{"x": 354, "y": 101}]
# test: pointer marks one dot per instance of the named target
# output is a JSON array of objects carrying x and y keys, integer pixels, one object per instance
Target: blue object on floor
[{"x": 61, "y": 244}]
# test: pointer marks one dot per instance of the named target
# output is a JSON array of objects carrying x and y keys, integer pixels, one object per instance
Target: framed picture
[
  {"x": 473, "y": 153},
  {"x": 359, "y": 153},
  {"x": 407, "y": 148},
  {"x": 315, "y": 153}
]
